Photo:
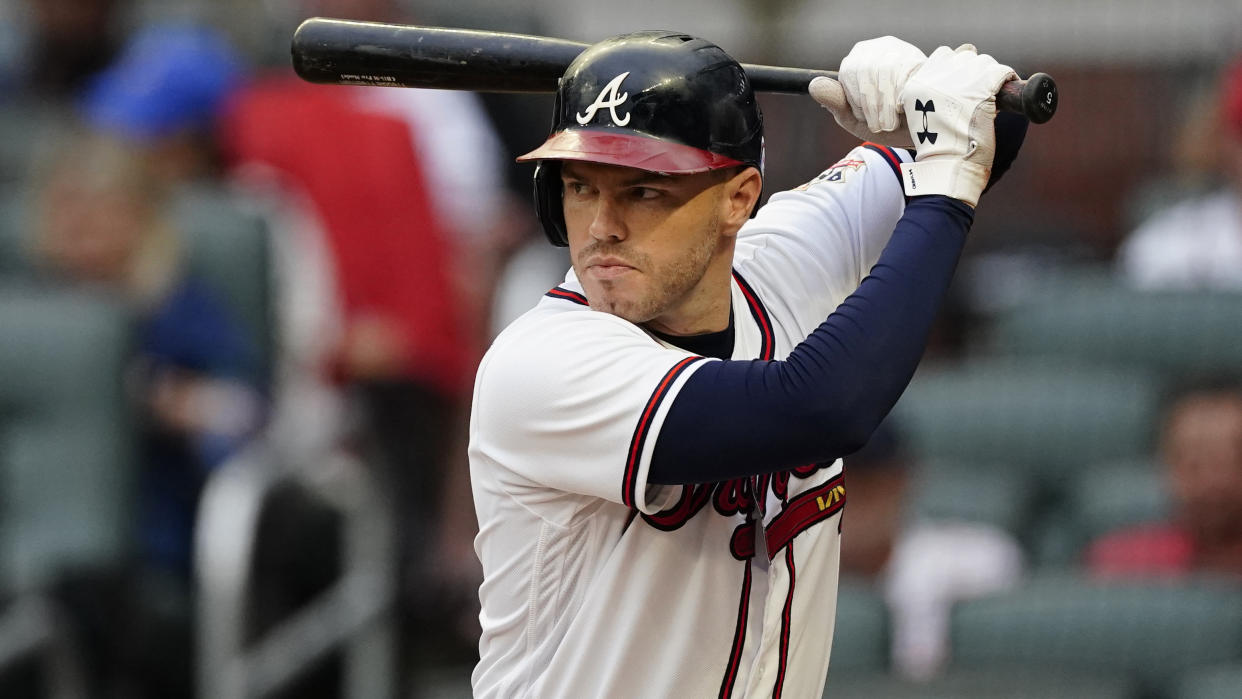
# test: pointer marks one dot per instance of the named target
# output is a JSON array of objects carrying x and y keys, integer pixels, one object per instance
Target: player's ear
[{"x": 741, "y": 194}]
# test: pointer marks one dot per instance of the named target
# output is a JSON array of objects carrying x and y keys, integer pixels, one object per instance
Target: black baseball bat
[{"x": 343, "y": 52}]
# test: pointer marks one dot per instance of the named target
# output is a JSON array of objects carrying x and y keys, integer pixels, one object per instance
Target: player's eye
[
  {"x": 577, "y": 189},
  {"x": 645, "y": 193}
]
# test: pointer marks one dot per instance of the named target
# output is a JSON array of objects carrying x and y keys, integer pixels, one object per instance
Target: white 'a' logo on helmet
[{"x": 609, "y": 98}]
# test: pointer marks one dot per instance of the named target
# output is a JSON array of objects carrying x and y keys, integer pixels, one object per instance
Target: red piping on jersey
[
  {"x": 767, "y": 346},
  {"x": 563, "y": 293},
  {"x": 693, "y": 498},
  {"x": 803, "y": 511},
  {"x": 739, "y": 637},
  {"x": 894, "y": 160},
  {"x": 628, "y": 484},
  {"x": 786, "y": 620}
]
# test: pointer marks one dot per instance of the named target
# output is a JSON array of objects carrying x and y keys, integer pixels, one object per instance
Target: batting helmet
[{"x": 654, "y": 100}]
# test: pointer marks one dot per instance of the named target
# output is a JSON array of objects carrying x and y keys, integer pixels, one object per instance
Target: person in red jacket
[{"x": 1201, "y": 450}]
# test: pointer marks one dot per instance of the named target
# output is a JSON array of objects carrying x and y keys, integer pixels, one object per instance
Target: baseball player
[{"x": 656, "y": 447}]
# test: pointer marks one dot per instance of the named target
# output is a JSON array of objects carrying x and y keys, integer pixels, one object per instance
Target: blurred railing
[{"x": 354, "y": 615}]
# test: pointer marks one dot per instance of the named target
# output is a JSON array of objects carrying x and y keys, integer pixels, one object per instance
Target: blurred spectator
[
  {"x": 921, "y": 566},
  {"x": 1197, "y": 243},
  {"x": 152, "y": 113},
  {"x": 103, "y": 225},
  {"x": 163, "y": 94},
  {"x": 1201, "y": 451}
]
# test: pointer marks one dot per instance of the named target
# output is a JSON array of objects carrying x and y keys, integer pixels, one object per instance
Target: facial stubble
[{"x": 669, "y": 284}]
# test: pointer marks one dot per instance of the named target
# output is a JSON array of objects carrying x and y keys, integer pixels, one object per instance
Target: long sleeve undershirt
[{"x": 742, "y": 418}]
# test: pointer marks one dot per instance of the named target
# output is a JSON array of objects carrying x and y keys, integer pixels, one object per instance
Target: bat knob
[{"x": 1039, "y": 98}]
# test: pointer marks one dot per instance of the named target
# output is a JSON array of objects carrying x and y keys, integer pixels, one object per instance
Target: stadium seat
[
  {"x": 1176, "y": 333},
  {"x": 29, "y": 130},
  {"x": 1042, "y": 417},
  {"x": 227, "y": 244},
  {"x": 14, "y": 221},
  {"x": 1214, "y": 682},
  {"x": 860, "y": 640},
  {"x": 1151, "y": 630},
  {"x": 66, "y": 467},
  {"x": 996, "y": 494},
  {"x": 1019, "y": 682}
]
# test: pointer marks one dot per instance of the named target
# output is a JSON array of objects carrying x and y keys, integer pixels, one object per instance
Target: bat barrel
[{"x": 340, "y": 52}]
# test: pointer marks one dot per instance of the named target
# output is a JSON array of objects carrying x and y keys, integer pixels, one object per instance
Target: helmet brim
[{"x": 628, "y": 150}]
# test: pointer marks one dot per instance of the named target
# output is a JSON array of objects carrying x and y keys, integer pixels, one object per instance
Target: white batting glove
[
  {"x": 865, "y": 98},
  {"x": 950, "y": 106}
]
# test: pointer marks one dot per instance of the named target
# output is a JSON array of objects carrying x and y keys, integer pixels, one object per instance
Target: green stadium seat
[
  {"x": 1177, "y": 333},
  {"x": 227, "y": 245},
  {"x": 1053, "y": 538},
  {"x": 1020, "y": 682},
  {"x": 66, "y": 464},
  {"x": 1151, "y": 630},
  {"x": 1215, "y": 682},
  {"x": 860, "y": 639},
  {"x": 996, "y": 494},
  {"x": 1043, "y": 417},
  {"x": 29, "y": 131},
  {"x": 14, "y": 222}
]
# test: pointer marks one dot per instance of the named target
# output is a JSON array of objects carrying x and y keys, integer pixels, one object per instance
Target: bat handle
[{"x": 1035, "y": 97}]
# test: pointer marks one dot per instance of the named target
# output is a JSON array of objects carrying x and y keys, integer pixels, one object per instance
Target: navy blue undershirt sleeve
[{"x": 743, "y": 418}]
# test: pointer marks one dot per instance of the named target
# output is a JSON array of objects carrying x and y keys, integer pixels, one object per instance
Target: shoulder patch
[{"x": 837, "y": 173}]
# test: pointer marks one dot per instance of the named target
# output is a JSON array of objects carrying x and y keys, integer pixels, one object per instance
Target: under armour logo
[
  {"x": 925, "y": 134},
  {"x": 609, "y": 98}
]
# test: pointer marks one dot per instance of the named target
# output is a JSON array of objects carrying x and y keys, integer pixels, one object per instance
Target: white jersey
[{"x": 599, "y": 585}]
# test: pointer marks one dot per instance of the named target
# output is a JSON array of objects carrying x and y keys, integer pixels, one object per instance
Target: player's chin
[
  {"x": 620, "y": 304},
  {"x": 609, "y": 291}
]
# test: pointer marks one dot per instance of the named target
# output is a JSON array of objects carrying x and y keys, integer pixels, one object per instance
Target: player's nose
[{"x": 608, "y": 221}]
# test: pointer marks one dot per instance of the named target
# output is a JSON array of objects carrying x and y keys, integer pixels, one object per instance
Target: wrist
[{"x": 947, "y": 175}]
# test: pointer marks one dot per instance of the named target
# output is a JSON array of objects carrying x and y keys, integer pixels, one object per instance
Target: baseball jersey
[{"x": 597, "y": 584}]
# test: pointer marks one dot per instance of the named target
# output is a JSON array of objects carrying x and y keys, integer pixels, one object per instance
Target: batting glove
[
  {"x": 950, "y": 105},
  {"x": 865, "y": 98}
]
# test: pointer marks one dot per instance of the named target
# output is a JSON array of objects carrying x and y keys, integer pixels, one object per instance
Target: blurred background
[{"x": 240, "y": 314}]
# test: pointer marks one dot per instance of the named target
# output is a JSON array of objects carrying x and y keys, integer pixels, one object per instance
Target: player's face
[{"x": 653, "y": 248}]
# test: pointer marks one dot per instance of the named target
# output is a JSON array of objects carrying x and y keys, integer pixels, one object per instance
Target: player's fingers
[
  {"x": 885, "y": 113},
  {"x": 873, "y": 107}
]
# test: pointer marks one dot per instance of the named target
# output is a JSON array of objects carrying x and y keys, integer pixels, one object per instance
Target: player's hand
[
  {"x": 950, "y": 106},
  {"x": 865, "y": 98}
]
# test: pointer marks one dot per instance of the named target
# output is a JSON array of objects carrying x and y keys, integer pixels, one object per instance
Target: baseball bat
[{"x": 344, "y": 52}]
